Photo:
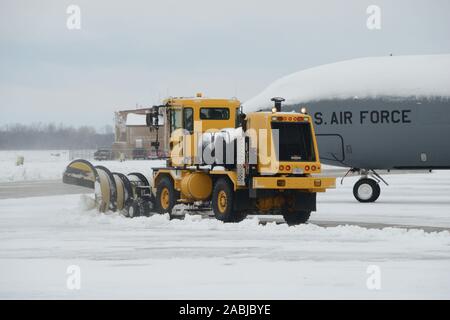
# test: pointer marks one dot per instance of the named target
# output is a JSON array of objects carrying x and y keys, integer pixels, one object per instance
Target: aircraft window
[{"x": 214, "y": 113}]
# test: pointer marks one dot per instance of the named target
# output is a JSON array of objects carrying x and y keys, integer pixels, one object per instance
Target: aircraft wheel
[{"x": 366, "y": 190}]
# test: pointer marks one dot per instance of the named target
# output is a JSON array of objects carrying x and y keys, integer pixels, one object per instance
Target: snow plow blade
[
  {"x": 113, "y": 191},
  {"x": 105, "y": 190},
  {"x": 80, "y": 173}
]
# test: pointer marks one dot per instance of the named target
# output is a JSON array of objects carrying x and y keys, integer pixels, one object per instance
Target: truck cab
[{"x": 191, "y": 117}]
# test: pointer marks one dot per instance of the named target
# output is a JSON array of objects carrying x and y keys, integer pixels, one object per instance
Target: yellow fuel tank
[{"x": 196, "y": 186}]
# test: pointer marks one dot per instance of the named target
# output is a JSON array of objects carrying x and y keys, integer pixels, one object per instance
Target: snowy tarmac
[
  {"x": 38, "y": 188},
  {"x": 40, "y": 237}
]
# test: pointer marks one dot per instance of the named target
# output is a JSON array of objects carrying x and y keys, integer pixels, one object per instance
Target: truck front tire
[
  {"x": 296, "y": 217},
  {"x": 223, "y": 202},
  {"x": 165, "y": 196}
]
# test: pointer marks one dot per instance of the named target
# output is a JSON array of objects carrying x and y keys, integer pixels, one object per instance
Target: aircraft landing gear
[{"x": 366, "y": 189}]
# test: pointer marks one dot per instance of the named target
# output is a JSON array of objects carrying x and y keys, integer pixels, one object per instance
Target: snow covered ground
[
  {"x": 50, "y": 165},
  {"x": 194, "y": 258},
  {"x": 38, "y": 165},
  {"x": 202, "y": 258},
  {"x": 421, "y": 199}
]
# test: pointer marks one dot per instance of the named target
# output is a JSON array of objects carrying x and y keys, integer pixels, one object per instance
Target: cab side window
[
  {"x": 175, "y": 119},
  {"x": 214, "y": 113},
  {"x": 188, "y": 120},
  {"x": 237, "y": 123}
]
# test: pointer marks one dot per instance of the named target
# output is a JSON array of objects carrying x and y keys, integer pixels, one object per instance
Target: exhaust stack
[{"x": 277, "y": 101}]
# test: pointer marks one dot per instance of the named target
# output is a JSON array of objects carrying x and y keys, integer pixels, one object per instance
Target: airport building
[{"x": 133, "y": 138}]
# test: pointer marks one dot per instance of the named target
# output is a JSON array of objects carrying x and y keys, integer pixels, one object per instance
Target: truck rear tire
[
  {"x": 223, "y": 202},
  {"x": 165, "y": 196},
  {"x": 296, "y": 217}
]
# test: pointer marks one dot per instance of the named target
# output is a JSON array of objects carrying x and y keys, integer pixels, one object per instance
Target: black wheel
[
  {"x": 146, "y": 208},
  {"x": 366, "y": 190},
  {"x": 134, "y": 210},
  {"x": 165, "y": 196},
  {"x": 296, "y": 217},
  {"x": 223, "y": 202},
  {"x": 239, "y": 216}
]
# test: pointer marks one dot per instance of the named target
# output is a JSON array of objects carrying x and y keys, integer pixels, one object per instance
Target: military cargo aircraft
[{"x": 370, "y": 114}]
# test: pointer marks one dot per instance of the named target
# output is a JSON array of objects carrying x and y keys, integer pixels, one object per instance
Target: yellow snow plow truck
[{"x": 221, "y": 159}]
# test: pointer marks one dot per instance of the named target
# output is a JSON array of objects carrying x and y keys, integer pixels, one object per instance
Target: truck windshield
[{"x": 294, "y": 141}]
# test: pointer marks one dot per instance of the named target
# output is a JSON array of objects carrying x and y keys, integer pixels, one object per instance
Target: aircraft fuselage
[{"x": 383, "y": 133}]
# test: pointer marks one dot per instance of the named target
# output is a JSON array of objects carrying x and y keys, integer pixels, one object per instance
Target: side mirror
[
  {"x": 149, "y": 119},
  {"x": 152, "y": 117}
]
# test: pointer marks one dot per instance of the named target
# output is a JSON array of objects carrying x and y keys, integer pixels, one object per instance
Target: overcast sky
[{"x": 130, "y": 53}]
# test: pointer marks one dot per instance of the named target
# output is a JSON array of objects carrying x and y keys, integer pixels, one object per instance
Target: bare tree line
[{"x": 52, "y": 136}]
